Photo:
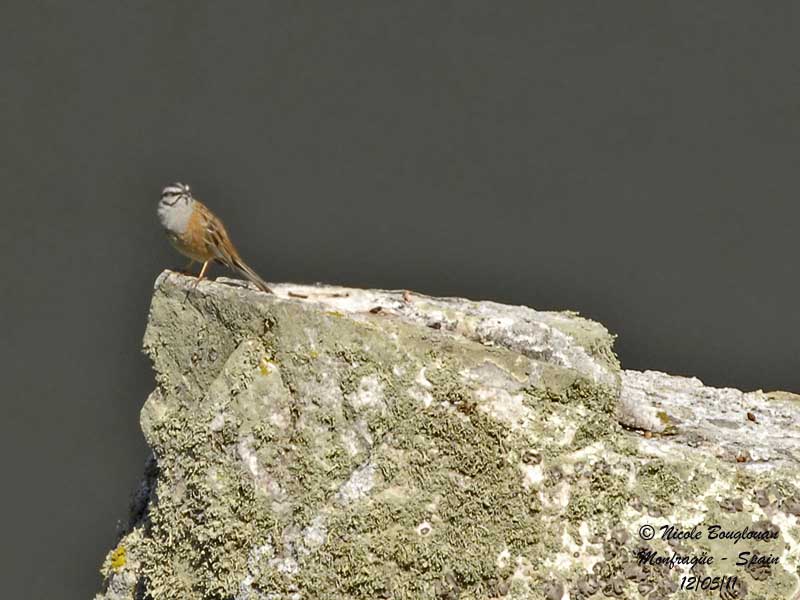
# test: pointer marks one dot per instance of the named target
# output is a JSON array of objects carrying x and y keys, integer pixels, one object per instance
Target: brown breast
[{"x": 193, "y": 242}]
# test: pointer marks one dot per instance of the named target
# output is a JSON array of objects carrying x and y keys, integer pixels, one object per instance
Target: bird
[{"x": 199, "y": 234}]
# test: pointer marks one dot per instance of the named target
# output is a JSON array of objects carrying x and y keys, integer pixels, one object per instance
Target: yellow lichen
[
  {"x": 118, "y": 558},
  {"x": 263, "y": 366}
]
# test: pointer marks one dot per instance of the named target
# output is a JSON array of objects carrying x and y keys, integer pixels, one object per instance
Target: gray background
[{"x": 634, "y": 161}]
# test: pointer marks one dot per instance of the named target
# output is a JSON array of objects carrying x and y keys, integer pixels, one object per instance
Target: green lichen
[
  {"x": 664, "y": 484},
  {"x": 600, "y": 496}
]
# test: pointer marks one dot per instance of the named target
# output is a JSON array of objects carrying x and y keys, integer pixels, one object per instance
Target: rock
[
  {"x": 357, "y": 444},
  {"x": 719, "y": 421}
]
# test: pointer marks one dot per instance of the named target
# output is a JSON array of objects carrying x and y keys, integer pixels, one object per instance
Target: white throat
[{"x": 175, "y": 218}]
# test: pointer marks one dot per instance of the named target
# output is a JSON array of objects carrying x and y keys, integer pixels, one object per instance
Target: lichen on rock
[{"x": 357, "y": 444}]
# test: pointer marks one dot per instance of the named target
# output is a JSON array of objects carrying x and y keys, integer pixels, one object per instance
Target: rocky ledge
[{"x": 340, "y": 443}]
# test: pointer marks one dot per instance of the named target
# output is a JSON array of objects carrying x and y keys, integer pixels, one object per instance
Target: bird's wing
[{"x": 216, "y": 239}]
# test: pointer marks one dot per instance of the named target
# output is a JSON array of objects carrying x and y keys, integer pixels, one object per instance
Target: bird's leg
[{"x": 202, "y": 272}]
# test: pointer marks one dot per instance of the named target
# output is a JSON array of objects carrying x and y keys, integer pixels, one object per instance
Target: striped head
[{"x": 175, "y": 207}]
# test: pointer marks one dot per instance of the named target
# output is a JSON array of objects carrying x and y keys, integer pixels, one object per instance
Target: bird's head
[
  {"x": 175, "y": 207},
  {"x": 175, "y": 193}
]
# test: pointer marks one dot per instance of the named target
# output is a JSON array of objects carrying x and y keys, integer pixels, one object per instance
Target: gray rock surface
[
  {"x": 340, "y": 443},
  {"x": 759, "y": 427}
]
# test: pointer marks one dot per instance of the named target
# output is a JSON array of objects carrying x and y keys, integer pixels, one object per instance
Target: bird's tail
[{"x": 252, "y": 276}]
